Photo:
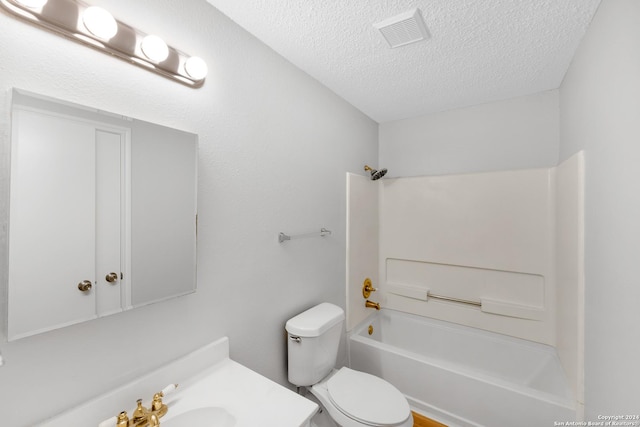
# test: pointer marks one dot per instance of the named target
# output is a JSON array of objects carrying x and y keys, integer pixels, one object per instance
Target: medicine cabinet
[{"x": 102, "y": 214}]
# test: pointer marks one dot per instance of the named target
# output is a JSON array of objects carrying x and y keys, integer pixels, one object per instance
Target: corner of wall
[{"x": 5, "y": 161}]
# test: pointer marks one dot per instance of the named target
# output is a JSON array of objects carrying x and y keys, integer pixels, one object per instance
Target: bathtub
[{"x": 464, "y": 376}]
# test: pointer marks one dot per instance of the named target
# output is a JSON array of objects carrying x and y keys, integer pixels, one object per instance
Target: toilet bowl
[
  {"x": 352, "y": 398},
  {"x": 355, "y": 399}
]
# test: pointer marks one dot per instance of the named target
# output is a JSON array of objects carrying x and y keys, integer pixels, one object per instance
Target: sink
[
  {"x": 207, "y": 416},
  {"x": 214, "y": 391}
]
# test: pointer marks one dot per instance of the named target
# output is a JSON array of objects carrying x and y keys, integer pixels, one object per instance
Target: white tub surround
[
  {"x": 362, "y": 244},
  {"x": 570, "y": 279},
  {"x": 486, "y": 238},
  {"x": 207, "y": 379},
  {"x": 463, "y": 376},
  {"x": 481, "y": 250},
  {"x": 498, "y": 251}
]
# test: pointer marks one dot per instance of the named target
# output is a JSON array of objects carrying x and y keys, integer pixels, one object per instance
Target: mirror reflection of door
[
  {"x": 103, "y": 212},
  {"x": 65, "y": 216}
]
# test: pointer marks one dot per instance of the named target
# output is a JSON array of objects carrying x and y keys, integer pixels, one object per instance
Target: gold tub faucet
[{"x": 371, "y": 304}]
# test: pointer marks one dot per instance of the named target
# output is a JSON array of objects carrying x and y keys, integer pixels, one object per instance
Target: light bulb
[
  {"x": 154, "y": 48},
  {"x": 99, "y": 22},
  {"x": 196, "y": 68},
  {"x": 33, "y": 4}
]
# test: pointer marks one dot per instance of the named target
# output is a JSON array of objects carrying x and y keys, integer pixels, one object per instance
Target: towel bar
[{"x": 284, "y": 237}]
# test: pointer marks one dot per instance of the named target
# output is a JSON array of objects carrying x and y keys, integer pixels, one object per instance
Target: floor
[
  {"x": 323, "y": 420},
  {"x": 422, "y": 421}
]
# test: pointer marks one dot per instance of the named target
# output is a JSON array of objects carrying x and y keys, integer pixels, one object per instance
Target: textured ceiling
[{"x": 479, "y": 50}]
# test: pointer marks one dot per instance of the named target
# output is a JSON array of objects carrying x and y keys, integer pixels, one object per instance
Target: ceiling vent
[{"x": 406, "y": 28}]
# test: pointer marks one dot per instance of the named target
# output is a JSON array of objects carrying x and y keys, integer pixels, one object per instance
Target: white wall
[
  {"x": 274, "y": 149},
  {"x": 600, "y": 107},
  {"x": 518, "y": 133}
]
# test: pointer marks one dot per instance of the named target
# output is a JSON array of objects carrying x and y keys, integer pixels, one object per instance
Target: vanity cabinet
[{"x": 66, "y": 237}]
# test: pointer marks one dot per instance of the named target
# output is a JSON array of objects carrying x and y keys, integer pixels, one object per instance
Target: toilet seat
[{"x": 367, "y": 399}]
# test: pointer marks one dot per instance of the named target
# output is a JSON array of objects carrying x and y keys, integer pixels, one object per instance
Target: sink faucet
[
  {"x": 153, "y": 420},
  {"x": 143, "y": 417}
]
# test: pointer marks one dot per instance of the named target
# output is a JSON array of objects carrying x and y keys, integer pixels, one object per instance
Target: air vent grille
[{"x": 403, "y": 29}]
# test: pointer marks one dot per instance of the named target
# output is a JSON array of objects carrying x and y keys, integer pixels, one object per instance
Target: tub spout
[{"x": 371, "y": 304}]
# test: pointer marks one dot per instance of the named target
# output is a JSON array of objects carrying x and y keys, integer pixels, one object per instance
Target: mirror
[{"x": 102, "y": 214}]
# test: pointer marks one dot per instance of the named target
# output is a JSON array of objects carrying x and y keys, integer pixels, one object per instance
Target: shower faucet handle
[{"x": 367, "y": 288}]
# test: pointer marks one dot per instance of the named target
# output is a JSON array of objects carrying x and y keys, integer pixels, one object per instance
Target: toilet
[{"x": 352, "y": 398}]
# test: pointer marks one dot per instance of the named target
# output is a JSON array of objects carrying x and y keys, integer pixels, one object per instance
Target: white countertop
[
  {"x": 207, "y": 378},
  {"x": 252, "y": 399}
]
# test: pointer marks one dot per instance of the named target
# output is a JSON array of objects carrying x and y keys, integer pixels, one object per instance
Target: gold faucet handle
[
  {"x": 157, "y": 407},
  {"x": 156, "y": 403},
  {"x": 140, "y": 413},
  {"x": 122, "y": 420},
  {"x": 169, "y": 389},
  {"x": 367, "y": 288}
]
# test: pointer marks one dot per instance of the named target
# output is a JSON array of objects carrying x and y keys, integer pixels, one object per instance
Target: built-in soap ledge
[
  {"x": 486, "y": 305},
  {"x": 510, "y": 309}
]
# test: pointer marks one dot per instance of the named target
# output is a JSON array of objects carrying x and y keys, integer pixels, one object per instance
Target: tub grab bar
[
  {"x": 486, "y": 305},
  {"x": 452, "y": 299}
]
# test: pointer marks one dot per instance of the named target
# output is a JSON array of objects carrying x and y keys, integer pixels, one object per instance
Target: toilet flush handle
[{"x": 295, "y": 339}]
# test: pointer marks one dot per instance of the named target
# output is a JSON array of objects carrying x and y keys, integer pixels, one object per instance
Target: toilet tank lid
[{"x": 315, "y": 321}]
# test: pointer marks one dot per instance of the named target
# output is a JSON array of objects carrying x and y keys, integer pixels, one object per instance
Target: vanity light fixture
[
  {"x": 154, "y": 48},
  {"x": 196, "y": 67},
  {"x": 33, "y": 4},
  {"x": 99, "y": 22},
  {"x": 95, "y": 27}
]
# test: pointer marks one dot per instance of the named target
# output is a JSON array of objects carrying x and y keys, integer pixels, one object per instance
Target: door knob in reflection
[
  {"x": 84, "y": 286},
  {"x": 111, "y": 277}
]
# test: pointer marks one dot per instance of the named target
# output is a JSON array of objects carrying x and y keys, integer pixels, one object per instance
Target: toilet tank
[{"x": 312, "y": 343}]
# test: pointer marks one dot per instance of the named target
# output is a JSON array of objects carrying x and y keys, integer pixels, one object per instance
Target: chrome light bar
[{"x": 97, "y": 28}]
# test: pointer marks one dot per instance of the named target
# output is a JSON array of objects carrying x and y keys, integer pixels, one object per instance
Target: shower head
[{"x": 375, "y": 174}]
